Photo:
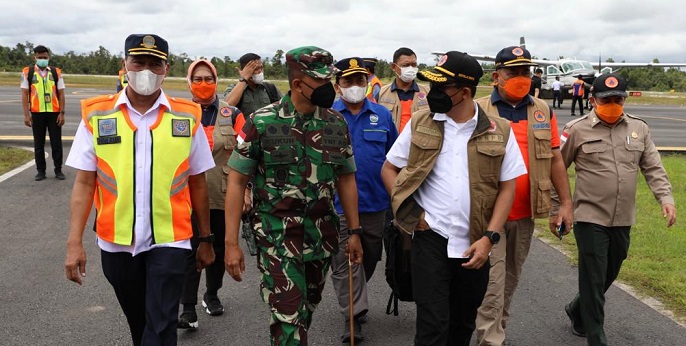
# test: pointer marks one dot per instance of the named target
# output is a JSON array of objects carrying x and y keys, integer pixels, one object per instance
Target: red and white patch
[
  {"x": 421, "y": 95},
  {"x": 492, "y": 128},
  {"x": 611, "y": 82},
  {"x": 539, "y": 116},
  {"x": 442, "y": 60},
  {"x": 564, "y": 136},
  {"x": 226, "y": 111}
]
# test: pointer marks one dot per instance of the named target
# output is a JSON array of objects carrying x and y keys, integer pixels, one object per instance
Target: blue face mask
[{"x": 42, "y": 63}]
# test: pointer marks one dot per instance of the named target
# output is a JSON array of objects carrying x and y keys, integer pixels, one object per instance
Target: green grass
[
  {"x": 11, "y": 158},
  {"x": 656, "y": 265}
]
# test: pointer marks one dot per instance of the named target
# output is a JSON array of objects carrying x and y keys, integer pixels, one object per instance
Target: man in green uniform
[{"x": 299, "y": 151}]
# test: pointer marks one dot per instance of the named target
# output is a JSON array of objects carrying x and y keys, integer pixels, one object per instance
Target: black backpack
[{"x": 398, "y": 246}]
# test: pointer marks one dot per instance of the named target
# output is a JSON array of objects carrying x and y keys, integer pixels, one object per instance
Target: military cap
[
  {"x": 370, "y": 62},
  {"x": 609, "y": 84},
  {"x": 513, "y": 56},
  {"x": 350, "y": 66},
  {"x": 454, "y": 67},
  {"x": 313, "y": 61},
  {"x": 146, "y": 44}
]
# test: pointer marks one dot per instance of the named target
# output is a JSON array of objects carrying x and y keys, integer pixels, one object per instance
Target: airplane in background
[{"x": 569, "y": 69}]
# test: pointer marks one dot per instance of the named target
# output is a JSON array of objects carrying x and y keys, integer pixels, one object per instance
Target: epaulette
[
  {"x": 635, "y": 117},
  {"x": 576, "y": 121},
  {"x": 97, "y": 99}
]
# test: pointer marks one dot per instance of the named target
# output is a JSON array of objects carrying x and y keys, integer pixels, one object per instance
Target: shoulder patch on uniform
[{"x": 225, "y": 111}]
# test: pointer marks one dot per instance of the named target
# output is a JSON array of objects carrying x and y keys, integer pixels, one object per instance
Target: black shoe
[
  {"x": 357, "y": 328},
  {"x": 212, "y": 304},
  {"x": 39, "y": 176},
  {"x": 188, "y": 320},
  {"x": 59, "y": 175},
  {"x": 362, "y": 319},
  {"x": 577, "y": 326},
  {"x": 573, "y": 114}
]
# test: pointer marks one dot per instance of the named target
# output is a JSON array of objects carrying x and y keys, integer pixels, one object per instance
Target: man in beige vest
[
  {"x": 451, "y": 180},
  {"x": 403, "y": 96},
  {"x": 535, "y": 128}
]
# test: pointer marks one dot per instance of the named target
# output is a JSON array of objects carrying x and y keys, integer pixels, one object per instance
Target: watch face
[{"x": 495, "y": 237}]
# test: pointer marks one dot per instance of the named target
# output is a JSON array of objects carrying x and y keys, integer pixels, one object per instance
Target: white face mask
[
  {"x": 354, "y": 94},
  {"x": 144, "y": 82},
  {"x": 408, "y": 73},
  {"x": 258, "y": 78}
]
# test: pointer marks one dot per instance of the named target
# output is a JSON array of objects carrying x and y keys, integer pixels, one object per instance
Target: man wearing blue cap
[
  {"x": 143, "y": 195},
  {"x": 372, "y": 133}
]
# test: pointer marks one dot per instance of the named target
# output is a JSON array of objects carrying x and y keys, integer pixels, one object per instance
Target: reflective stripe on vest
[
  {"x": 42, "y": 90},
  {"x": 114, "y": 141}
]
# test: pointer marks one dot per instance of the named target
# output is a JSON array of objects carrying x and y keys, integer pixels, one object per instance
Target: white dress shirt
[
  {"x": 82, "y": 157},
  {"x": 445, "y": 194}
]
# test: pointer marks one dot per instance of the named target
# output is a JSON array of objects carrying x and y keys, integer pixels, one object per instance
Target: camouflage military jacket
[{"x": 296, "y": 159}]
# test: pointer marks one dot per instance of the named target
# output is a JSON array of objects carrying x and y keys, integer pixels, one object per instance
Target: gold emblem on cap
[
  {"x": 353, "y": 63},
  {"x": 148, "y": 41},
  {"x": 634, "y": 135}
]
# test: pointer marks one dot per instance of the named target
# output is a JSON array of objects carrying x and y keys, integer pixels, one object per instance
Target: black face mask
[
  {"x": 322, "y": 96},
  {"x": 439, "y": 101}
]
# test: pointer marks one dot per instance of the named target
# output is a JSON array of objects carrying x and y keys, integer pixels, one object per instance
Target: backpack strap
[{"x": 271, "y": 92}]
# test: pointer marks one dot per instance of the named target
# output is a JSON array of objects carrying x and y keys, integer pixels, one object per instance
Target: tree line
[{"x": 102, "y": 62}]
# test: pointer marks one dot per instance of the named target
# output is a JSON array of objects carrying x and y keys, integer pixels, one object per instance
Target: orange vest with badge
[
  {"x": 43, "y": 91},
  {"x": 399, "y": 109},
  {"x": 114, "y": 138},
  {"x": 539, "y": 154}
]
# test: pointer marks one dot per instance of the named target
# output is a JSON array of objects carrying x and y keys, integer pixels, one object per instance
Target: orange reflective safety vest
[
  {"x": 43, "y": 91},
  {"x": 578, "y": 88},
  {"x": 374, "y": 81},
  {"x": 114, "y": 138}
]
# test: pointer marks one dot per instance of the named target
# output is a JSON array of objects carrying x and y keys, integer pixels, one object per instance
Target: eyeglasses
[{"x": 199, "y": 79}]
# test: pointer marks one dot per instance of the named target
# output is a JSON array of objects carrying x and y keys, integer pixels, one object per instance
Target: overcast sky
[{"x": 630, "y": 30}]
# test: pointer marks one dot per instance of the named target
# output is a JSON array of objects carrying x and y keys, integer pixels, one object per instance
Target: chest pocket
[
  {"x": 632, "y": 156},
  {"x": 592, "y": 151},
  {"x": 542, "y": 144},
  {"x": 490, "y": 158},
  {"x": 334, "y": 144},
  {"x": 426, "y": 146},
  {"x": 377, "y": 142},
  {"x": 279, "y": 153}
]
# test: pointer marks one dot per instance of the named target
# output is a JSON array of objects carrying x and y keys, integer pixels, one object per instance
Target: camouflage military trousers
[{"x": 292, "y": 288}]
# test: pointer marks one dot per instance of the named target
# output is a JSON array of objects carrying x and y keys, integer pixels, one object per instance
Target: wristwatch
[
  {"x": 208, "y": 239},
  {"x": 357, "y": 231},
  {"x": 241, "y": 79},
  {"x": 493, "y": 236}
]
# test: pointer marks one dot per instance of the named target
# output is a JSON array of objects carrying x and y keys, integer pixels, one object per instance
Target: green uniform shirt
[{"x": 296, "y": 159}]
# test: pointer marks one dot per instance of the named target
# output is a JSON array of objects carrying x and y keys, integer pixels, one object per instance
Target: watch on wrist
[
  {"x": 357, "y": 231},
  {"x": 493, "y": 236},
  {"x": 241, "y": 79},
  {"x": 208, "y": 239}
]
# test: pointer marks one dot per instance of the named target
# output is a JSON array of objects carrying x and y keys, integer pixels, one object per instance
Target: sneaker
[
  {"x": 577, "y": 326},
  {"x": 59, "y": 175},
  {"x": 212, "y": 304},
  {"x": 357, "y": 329},
  {"x": 188, "y": 320},
  {"x": 40, "y": 176}
]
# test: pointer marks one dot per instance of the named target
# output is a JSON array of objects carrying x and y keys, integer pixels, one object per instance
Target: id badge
[{"x": 47, "y": 98}]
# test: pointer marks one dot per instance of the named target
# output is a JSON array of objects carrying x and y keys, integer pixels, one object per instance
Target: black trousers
[
  {"x": 580, "y": 100},
  {"x": 41, "y": 122},
  {"x": 214, "y": 273},
  {"x": 601, "y": 253},
  {"x": 557, "y": 96},
  {"x": 148, "y": 288},
  {"x": 446, "y": 294}
]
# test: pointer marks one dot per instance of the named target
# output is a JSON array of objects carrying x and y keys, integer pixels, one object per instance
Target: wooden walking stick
[{"x": 350, "y": 301}]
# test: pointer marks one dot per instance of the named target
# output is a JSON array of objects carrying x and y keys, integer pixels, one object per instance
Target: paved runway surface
[
  {"x": 40, "y": 307},
  {"x": 667, "y": 123}
]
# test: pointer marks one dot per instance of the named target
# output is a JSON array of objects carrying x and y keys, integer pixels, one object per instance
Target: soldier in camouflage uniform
[{"x": 299, "y": 150}]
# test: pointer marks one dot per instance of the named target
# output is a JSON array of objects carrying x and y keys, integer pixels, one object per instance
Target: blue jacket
[{"x": 372, "y": 133}]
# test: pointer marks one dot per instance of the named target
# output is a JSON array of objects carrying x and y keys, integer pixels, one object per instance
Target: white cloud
[{"x": 631, "y": 30}]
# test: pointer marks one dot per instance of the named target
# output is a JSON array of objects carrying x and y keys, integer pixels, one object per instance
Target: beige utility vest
[
  {"x": 224, "y": 142},
  {"x": 540, "y": 153},
  {"x": 390, "y": 100},
  {"x": 485, "y": 152}
]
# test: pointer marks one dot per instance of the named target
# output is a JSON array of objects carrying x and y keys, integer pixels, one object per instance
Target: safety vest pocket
[{"x": 542, "y": 144}]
